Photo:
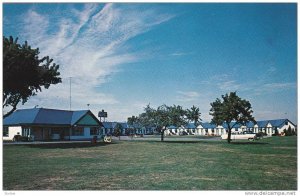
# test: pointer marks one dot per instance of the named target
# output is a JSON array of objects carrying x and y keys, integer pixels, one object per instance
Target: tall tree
[
  {"x": 193, "y": 115},
  {"x": 118, "y": 130},
  {"x": 162, "y": 117},
  {"x": 24, "y": 73},
  {"x": 232, "y": 110},
  {"x": 133, "y": 122}
]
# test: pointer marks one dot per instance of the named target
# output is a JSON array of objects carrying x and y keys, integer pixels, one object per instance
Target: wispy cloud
[
  {"x": 224, "y": 83},
  {"x": 180, "y": 54},
  {"x": 187, "y": 96},
  {"x": 274, "y": 87},
  {"x": 230, "y": 85},
  {"x": 271, "y": 69},
  {"x": 89, "y": 46}
]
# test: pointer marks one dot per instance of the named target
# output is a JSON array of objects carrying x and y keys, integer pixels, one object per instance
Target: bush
[
  {"x": 289, "y": 131},
  {"x": 18, "y": 138},
  {"x": 260, "y": 134}
]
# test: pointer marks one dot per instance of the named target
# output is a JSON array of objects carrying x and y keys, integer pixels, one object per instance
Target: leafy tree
[
  {"x": 177, "y": 115},
  {"x": 162, "y": 117},
  {"x": 133, "y": 122},
  {"x": 162, "y": 120},
  {"x": 193, "y": 115},
  {"x": 289, "y": 131},
  {"x": 117, "y": 130},
  {"x": 276, "y": 131},
  {"x": 147, "y": 118},
  {"x": 232, "y": 110},
  {"x": 24, "y": 73}
]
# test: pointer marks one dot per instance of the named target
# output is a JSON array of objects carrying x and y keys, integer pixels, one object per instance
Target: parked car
[
  {"x": 260, "y": 135},
  {"x": 240, "y": 136}
]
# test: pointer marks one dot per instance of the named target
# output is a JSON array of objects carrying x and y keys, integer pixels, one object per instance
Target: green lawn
[{"x": 269, "y": 164}]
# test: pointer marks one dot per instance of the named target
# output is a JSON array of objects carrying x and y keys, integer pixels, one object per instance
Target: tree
[
  {"x": 232, "y": 110},
  {"x": 289, "y": 131},
  {"x": 193, "y": 115},
  {"x": 133, "y": 122},
  {"x": 24, "y": 73},
  {"x": 162, "y": 117},
  {"x": 276, "y": 131},
  {"x": 117, "y": 130}
]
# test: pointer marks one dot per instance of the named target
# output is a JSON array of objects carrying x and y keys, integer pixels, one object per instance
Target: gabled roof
[
  {"x": 274, "y": 123},
  {"x": 124, "y": 125},
  {"x": 112, "y": 125},
  {"x": 45, "y": 116},
  {"x": 107, "y": 125},
  {"x": 278, "y": 122},
  {"x": 250, "y": 124},
  {"x": 190, "y": 126},
  {"x": 77, "y": 115},
  {"x": 232, "y": 124},
  {"x": 172, "y": 127},
  {"x": 208, "y": 125},
  {"x": 262, "y": 123},
  {"x": 25, "y": 116},
  {"x": 51, "y": 116}
]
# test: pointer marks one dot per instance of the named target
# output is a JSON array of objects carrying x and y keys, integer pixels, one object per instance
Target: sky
[{"x": 122, "y": 57}]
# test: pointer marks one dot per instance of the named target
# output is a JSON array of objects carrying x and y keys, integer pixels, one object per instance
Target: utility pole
[{"x": 70, "y": 93}]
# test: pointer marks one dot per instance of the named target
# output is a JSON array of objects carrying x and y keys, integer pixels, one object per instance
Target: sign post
[{"x": 103, "y": 115}]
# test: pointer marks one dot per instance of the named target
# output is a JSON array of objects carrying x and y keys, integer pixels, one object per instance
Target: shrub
[
  {"x": 260, "y": 134},
  {"x": 18, "y": 138},
  {"x": 289, "y": 131}
]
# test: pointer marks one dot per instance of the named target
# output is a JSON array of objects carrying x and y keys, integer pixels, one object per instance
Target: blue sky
[{"x": 123, "y": 56}]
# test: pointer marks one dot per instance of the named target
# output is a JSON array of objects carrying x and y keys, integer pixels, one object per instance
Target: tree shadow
[
  {"x": 249, "y": 143},
  {"x": 179, "y": 142},
  {"x": 67, "y": 145}
]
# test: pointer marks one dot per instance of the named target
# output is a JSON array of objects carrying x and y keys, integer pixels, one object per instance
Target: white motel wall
[
  {"x": 12, "y": 131},
  {"x": 268, "y": 127}
]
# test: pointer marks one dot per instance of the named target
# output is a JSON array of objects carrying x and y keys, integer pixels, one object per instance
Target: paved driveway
[
  {"x": 168, "y": 138},
  {"x": 125, "y": 138}
]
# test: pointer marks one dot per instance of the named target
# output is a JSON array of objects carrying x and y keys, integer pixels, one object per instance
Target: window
[
  {"x": 93, "y": 131},
  {"x": 77, "y": 131},
  {"x": 55, "y": 131},
  {"x": 5, "y": 131}
]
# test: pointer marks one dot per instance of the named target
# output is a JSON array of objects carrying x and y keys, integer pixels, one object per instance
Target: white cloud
[
  {"x": 230, "y": 85},
  {"x": 279, "y": 85},
  {"x": 180, "y": 54},
  {"x": 224, "y": 83},
  {"x": 274, "y": 87},
  {"x": 271, "y": 70},
  {"x": 187, "y": 96},
  {"x": 89, "y": 46}
]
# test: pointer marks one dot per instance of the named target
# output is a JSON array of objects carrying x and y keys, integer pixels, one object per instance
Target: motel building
[
  {"x": 51, "y": 124},
  {"x": 44, "y": 124},
  {"x": 266, "y": 126}
]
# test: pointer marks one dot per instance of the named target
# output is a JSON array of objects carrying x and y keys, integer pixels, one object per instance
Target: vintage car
[{"x": 240, "y": 136}]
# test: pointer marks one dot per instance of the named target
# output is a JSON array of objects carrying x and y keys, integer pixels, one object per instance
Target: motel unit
[{"x": 51, "y": 124}]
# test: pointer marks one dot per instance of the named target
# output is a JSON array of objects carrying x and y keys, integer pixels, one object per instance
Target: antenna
[{"x": 70, "y": 92}]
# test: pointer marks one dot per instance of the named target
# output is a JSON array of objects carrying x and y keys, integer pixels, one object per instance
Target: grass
[{"x": 269, "y": 164}]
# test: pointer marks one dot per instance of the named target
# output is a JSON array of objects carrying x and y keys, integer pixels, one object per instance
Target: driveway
[
  {"x": 166, "y": 138},
  {"x": 126, "y": 138}
]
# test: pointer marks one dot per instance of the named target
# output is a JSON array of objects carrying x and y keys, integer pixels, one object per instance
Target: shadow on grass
[
  {"x": 249, "y": 143},
  {"x": 182, "y": 142},
  {"x": 68, "y": 145},
  {"x": 213, "y": 142}
]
